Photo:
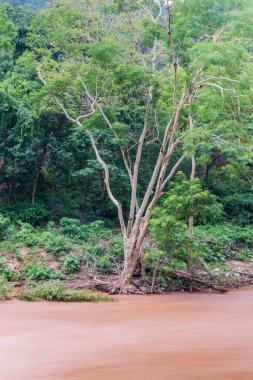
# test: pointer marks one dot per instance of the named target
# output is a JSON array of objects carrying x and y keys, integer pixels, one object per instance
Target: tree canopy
[{"x": 103, "y": 102}]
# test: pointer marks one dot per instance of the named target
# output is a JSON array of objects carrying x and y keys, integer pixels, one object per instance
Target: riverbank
[
  {"x": 233, "y": 274},
  {"x": 91, "y": 256},
  {"x": 166, "y": 337}
]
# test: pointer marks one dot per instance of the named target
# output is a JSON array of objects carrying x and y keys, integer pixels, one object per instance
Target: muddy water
[{"x": 177, "y": 336}]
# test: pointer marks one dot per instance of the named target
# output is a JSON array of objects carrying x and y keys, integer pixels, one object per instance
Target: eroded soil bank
[{"x": 160, "y": 337}]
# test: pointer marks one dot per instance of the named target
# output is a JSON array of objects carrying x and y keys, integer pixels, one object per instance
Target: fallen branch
[{"x": 193, "y": 282}]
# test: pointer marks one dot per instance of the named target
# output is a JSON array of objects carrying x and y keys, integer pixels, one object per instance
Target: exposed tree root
[{"x": 126, "y": 289}]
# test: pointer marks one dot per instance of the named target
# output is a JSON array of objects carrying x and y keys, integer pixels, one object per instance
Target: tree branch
[
  {"x": 95, "y": 102},
  {"x": 174, "y": 57},
  {"x": 173, "y": 171},
  {"x": 107, "y": 183}
]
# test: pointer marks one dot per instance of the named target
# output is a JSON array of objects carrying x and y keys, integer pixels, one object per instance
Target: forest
[{"x": 126, "y": 146}]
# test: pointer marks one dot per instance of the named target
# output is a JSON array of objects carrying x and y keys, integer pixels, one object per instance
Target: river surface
[{"x": 176, "y": 336}]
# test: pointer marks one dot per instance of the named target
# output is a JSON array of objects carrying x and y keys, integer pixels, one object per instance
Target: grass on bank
[
  {"x": 50, "y": 291},
  {"x": 5, "y": 289},
  {"x": 56, "y": 291}
]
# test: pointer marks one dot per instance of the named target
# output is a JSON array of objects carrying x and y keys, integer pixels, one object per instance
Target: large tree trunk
[
  {"x": 133, "y": 248},
  {"x": 123, "y": 284}
]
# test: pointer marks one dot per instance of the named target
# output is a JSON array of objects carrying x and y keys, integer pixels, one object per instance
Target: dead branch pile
[{"x": 189, "y": 282}]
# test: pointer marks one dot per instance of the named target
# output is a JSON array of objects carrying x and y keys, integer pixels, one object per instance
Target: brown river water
[{"x": 161, "y": 337}]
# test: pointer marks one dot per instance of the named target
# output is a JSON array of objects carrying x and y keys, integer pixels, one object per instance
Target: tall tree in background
[{"x": 139, "y": 70}]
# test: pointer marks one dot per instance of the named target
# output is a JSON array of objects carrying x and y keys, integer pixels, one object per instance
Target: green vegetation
[
  {"x": 5, "y": 290},
  {"x": 5, "y": 272},
  {"x": 221, "y": 242},
  {"x": 71, "y": 264},
  {"x": 27, "y": 4},
  {"x": 34, "y": 249},
  {"x": 55, "y": 291},
  {"x": 125, "y": 127},
  {"x": 40, "y": 272}
]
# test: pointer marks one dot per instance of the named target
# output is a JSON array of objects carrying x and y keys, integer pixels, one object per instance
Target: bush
[
  {"x": 40, "y": 272},
  {"x": 70, "y": 227},
  {"x": 94, "y": 231},
  {"x": 55, "y": 291},
  {"x": 71, "y": 264},
  {"x": 104, "y": 264},
  {"x": 5, "y": 225},
  {"x": 27, "y": 235},
  {"x": 51, "y": 225},
  {"x": 95, "y": 250},
  {"x": 5, "y": 289},
  {"x": 211, "y": 251},
  {"x": 25, "y": 212},
  {"x": 57, "y": 244},
  {"x": 216, "y": 243},
  {"x": 5, "y": 273},
  {"x": 239, "y": 207},
  {"x": 245, "y": 255},
  {"x": 115, "y": 248}
]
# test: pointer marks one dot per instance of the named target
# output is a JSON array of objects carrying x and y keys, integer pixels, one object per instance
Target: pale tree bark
[{"x": 191, "y": 219}]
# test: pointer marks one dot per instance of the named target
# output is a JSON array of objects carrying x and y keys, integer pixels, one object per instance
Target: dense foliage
[
  {"x": 70, "y": 69},
  {"x": 27, "y": 4}
]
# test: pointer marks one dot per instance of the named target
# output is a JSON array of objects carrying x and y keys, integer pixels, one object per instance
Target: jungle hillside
[{"x": 126, "y": 146}]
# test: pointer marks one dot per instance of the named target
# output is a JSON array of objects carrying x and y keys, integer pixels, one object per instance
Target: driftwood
[{"x": 195, "y": 283}]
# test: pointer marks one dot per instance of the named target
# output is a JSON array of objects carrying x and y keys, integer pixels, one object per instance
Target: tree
[
  {"x": 30, "y": 5},
  {"x": 183, "y": 202},
  {"x": 100, "y": 63}
]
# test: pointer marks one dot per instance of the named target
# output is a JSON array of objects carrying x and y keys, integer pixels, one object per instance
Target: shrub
[
  {"x": 245, "y": 255},
  {"x": 50, "y": 225},
  {"x": 5, "y": 225},
  {"x": 94, "y": 231},
  {"x": 57, "y": 244},
  {"x": 104, "y": 264},
  {"x": 71, "y": 264},
  {"x": 27, "y": 235},
  {"x": 95, "y": 250},
  {"x": 211, "y": 252},
  {"x": 5, "y": 273},
  {"x": 239, "y": 207},
  {"x": 5, "y": 289},
  {"x": 70, "y": 227},
  {"x": 25, "y": 212},
  {"x": 40, "y": 272},
  {"x": 55, "y": 291},
  {"x": 216, "y": 243},
  {"x": 115, "y": 248}
]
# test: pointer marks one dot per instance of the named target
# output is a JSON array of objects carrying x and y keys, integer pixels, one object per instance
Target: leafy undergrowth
[
  {"x": 5, "y": 290},
  {"x": 57, "y": 252},
  {"x": 73, "y": 253},
  {"x": 223, "y": 242},
  {"x": 56, "y": 291}
]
